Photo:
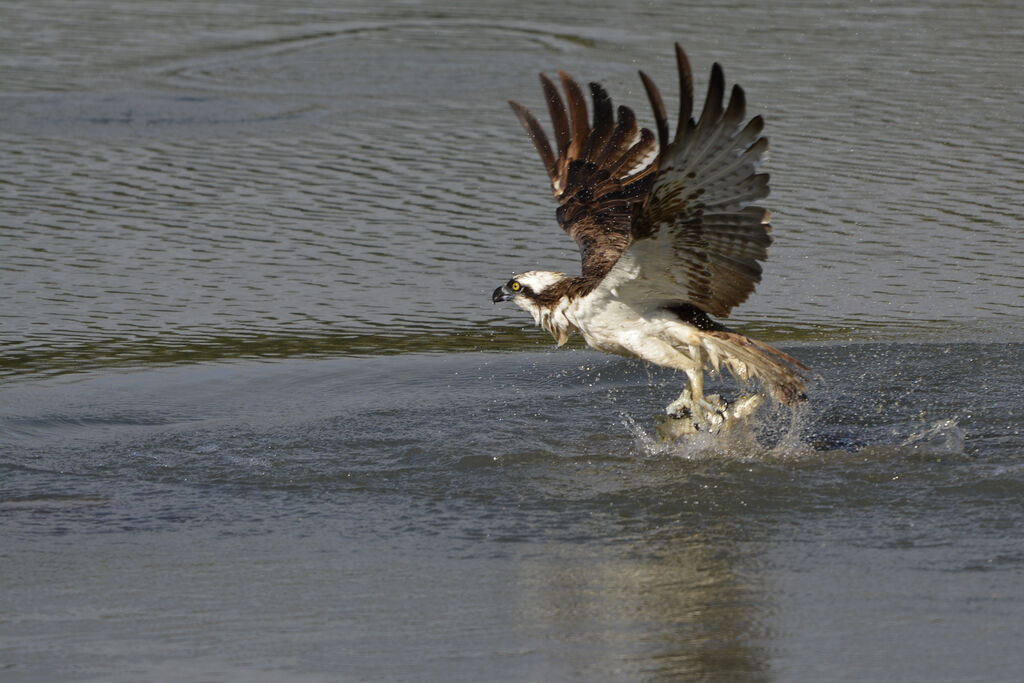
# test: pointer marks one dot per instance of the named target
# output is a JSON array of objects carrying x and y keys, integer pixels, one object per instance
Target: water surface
[{"x": 260, "y": 420}]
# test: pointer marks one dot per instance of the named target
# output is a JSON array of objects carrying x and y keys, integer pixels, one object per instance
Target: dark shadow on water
[{"x": 48, "y": 357}]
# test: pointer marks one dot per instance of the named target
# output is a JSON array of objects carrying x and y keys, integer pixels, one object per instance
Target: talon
[
  {"x": 682, "y": 406},
  {"x": 709, "y": 413},
  {"x": 715, "y": 405}
]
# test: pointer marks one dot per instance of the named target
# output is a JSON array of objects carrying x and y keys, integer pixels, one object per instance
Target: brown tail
[{"x": 748, "y": 358}]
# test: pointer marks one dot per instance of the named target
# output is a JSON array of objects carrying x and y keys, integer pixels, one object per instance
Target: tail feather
[{"x": 747, "y": 358}]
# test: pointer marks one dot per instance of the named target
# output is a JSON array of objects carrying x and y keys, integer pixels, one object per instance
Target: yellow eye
[{"x": 516, "y": 286}]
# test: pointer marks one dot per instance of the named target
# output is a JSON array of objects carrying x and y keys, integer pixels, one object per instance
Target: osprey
[{"x": 668, "y": 234}]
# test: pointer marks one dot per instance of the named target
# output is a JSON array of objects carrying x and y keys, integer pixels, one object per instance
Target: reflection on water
[
  {"x": 710, "y": 621},
  {"x": 355, "y": 172}
]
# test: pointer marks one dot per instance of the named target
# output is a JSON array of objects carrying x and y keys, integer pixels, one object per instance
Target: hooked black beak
[{"x": 501, "y": 294}]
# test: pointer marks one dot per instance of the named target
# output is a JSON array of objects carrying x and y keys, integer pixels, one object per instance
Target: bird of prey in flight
[{"x": 669, "y": 232}]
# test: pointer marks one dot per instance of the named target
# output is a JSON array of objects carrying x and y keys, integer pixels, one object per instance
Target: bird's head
[{"x": 527, "y": 289}]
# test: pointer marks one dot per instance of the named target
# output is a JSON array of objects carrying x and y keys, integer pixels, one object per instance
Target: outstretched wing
[
  {"x": 698, "y": 238},
  {"x": 600, "y": 174}
]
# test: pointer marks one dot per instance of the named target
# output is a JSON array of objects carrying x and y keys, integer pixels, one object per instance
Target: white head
[
  {"x": 526, "y": 289},
  {"x": 530, "y": 291}
]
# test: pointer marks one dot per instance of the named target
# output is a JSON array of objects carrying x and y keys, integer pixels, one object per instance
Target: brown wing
[
  {"x": 697, "y": 238},
  {"x": 600, "y": 174}
]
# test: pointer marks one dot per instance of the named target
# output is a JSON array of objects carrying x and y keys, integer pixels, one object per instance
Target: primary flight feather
[{"x": 668, "y": 230}]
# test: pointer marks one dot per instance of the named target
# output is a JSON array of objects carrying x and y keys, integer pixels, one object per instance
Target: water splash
[
  {"x": 774, "y": 433},
  {"x": 943, "y": 437}
]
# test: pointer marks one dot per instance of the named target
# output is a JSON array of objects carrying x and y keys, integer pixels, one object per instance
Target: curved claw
[
  {"x": 681, "y": 407},
  {"x": 707, "y": 414},
  {"x": 708, "y": 410}
]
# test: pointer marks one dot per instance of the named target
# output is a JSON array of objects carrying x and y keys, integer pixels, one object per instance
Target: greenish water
[{"x": 260, "y": 421}]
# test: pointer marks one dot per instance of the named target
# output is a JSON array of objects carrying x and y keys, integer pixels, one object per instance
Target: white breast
[{"x": 653, "y": 334}]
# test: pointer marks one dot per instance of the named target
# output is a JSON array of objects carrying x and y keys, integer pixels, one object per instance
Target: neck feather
[
  {"x": 553, "y": 319},
  {"x": 553, "y": 304}
]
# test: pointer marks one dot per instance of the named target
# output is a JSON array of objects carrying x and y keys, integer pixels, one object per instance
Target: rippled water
[
  {"x": 269, "y": 181},
  {"x": 260, "y": 419}
]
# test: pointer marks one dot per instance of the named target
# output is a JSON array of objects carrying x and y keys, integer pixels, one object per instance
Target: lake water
[{"x": 259, "y": 419}]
